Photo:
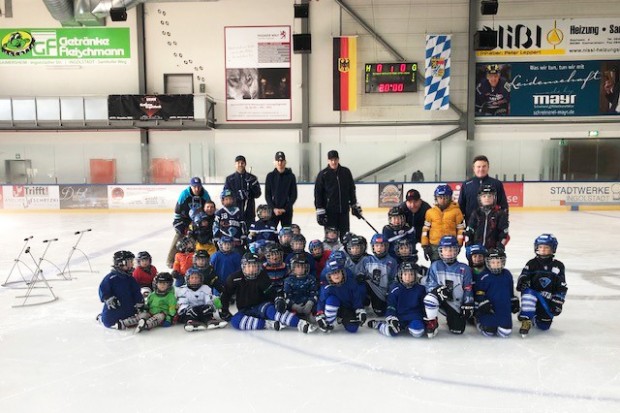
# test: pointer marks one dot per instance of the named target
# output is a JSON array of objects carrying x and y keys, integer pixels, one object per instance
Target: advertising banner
[
  {"x": 83, "y": 196},
  {"x": 390, "y": 194},
  {"x": 142, "y": 196},
  {"x": 30, "y": 197},
  {"x": 514, "y": 192},
  {"x": 574, "y": 38},
  {"x": 552, "y": 88},
  {"x": 150, "y": 107},
  {"x": 258, "y": 73},
  {"x": 62, "y": 46},
  {"x": 572, "y": 193}
]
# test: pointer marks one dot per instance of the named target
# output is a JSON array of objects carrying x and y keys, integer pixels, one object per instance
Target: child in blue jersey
[
  {"x": 405, "y": 309},
  {"x": 263, "y": 228},
  {"x": 449, "y": 289},
  {"x": 340, "y": 299},
  {"x": 229, "y": 221},
  {"x": 120, "y": 292},
  {"x": 494, "y": 296},
  {"x": 380, "y": 273},
  {"x": 255, "y": 300},
  {"x": 226, "y": 261},
  {"x": 301, "y": 288},
  {"x": 542, "y": 284}
]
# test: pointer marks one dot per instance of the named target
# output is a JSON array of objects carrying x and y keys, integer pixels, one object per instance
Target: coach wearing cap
[
  {"x": 281, "y": 192},
  {"x": 334, "y": 194},
  {"x": 245, "y": 188},
  {"x": 414, "y": 209},
  {"x": 194, "y": 197}
]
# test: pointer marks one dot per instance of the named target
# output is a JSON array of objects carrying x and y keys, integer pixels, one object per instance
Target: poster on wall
[
  {"x": 30, "y": 197},
  {"x": 390, "y": 195},
  {"x": 150, "y": 107},
  {"x": 551, "y": 88},
  {"x": 258, "y": 73},
  {"x": 63, "y": 46},
  {"x": 579, "y": 37}
]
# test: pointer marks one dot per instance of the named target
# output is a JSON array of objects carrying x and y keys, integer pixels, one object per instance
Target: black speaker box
[
  {"x": 118, "y": 14},
  {"x": 485, "y": 40},
  {"x": 489, "y": 7},
  {"x": 302, "y": 43},
  {"x": 302, "y": 10}
]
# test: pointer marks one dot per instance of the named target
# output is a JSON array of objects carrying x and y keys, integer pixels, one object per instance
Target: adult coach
[
  {"x": 194, "y": 197},
  {"x": 281, "y": 192},
  {"x": 245, "y": 188},
  {"x": 468, "y": 197},
  {"x": 334, "y": 193},
  {"x": 414, "y": 209}
]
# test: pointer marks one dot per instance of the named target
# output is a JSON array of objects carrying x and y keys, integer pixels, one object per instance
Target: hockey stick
[{"x": 369, "y": 224}]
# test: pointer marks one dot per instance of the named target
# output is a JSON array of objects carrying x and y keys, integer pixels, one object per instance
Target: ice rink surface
[{"x": 56, "y": 358}]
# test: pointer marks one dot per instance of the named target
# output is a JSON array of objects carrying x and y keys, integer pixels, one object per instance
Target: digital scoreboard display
[{"x": 390, "y": 77}]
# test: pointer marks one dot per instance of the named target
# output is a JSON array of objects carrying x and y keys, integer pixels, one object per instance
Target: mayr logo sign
[{"x": 554, "y": 99}]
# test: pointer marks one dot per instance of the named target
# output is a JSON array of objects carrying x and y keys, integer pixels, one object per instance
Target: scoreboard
[{"x": 390, "y": 77}]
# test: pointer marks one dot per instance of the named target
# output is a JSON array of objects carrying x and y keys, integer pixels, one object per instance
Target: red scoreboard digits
[{"x": 390, "y": 77}]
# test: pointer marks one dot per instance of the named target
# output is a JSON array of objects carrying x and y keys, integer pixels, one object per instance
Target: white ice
[{"x": 56, "y": 358}]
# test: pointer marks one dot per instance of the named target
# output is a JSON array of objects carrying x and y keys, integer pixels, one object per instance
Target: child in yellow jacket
[{"x": 445, "y": 218}]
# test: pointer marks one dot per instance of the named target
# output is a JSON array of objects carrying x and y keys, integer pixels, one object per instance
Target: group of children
[{"x": 275, "y": 283}]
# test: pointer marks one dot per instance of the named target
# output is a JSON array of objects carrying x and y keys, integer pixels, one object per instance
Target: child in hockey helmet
[
  {"x": 316, "y": 248},
  {"x": 123, "y": 261},
  {"x": 443, "y": 196},
  {"x": 449, "y": 249},
  {"x": 274, "y": 255},
  {"x": 356, "y": 248},
  {"x": 407, "y": 274},
  {"x": 335, "y": 272},
  {"x": 404, "y": 250},
  {"x": 299, "y": 265},
  {"x": 487, "y": 196},
  {"x": 144, "y": 273},
  {"x": 201, "y": 259},
  {"x": 396, "y": 219},
  {"x": 284, "y": 237},
  {"x": 379, "y": 245},
  {"x": 496, "y": 260},
  {"x": 332, "y": 238},
  {"x": 545, "y": 246},
  {"x": 193, "y": 279},
  {"x": 226, "y": 244},
  {"x": 250, "y": 266},
  {"x": 298, "y": 243},
  {"x": 144, "y": 260},
  {"x": 162, "y": 283},
  {"x": 475, "y": 256},
  {"x": 295, "y": 229},
  {"x": 227, "y": 198},
  {"x": 185, "y": 244},
  {"x": 264, "y": 212}
]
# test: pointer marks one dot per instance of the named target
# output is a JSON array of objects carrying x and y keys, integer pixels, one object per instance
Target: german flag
[{"x": 345, "y": 73}]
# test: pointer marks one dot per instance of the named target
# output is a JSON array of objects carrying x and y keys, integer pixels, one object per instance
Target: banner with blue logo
[
  {"x": 550, "y": 88},
  {"x": 437, "y": 74}
]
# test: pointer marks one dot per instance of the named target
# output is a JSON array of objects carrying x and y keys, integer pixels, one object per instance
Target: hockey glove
[
  {"x": 484, "y": 307},
  {"x": 467, "y": 311},
  {"x": 443, "y": 293},
  {"x": 321, "y": 217},
  {"x": 393, "y": 324},
  {"x": 556, "y": 305},
  {"x": 523, "y": 283},
  {"x": 324, "y": 326},
  {"x": 112, "y": 303},
  {"x": 469, "y": 235},
  {"x": 356, "y": 210},
  {"x": 225, "y": 314},
  {"x": 361, "y": 316},
  {"x": 428, "y": 252},
  {"x": 280, "y": 304},
  {"x": 360, "y": 278},
  {"x": 179, "y": 226},
  {"x": 514, "y": 305}
]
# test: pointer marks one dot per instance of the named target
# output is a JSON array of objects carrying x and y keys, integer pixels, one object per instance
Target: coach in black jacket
[
  {"x": 281, "y": 192},
  {"x": 468, "y": 197},
  {"x": 245, "y": 188},
  {"x": 334, "y": 193}
]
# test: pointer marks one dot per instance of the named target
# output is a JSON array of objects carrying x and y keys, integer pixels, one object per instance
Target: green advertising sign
[{"x": 65, "y": 46}]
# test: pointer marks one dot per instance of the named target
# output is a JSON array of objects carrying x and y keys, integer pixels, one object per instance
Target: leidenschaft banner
[
  {"x": 83, "y": 46},
  {"x": 552, "y": 88},
  {"x": 150, "y": 107}
]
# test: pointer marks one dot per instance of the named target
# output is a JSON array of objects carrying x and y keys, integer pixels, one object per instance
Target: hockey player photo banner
[
  {"x": 345, "y": 73},
  {"x": 150, "y": 107},
  {"x": 437, "y": 81}
]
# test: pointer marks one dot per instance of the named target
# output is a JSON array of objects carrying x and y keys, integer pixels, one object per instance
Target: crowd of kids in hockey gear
[{"x": 258, "y": 277}]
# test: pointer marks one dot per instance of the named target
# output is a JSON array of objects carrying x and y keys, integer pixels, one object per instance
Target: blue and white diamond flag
[{"x": 437, "y": 82}]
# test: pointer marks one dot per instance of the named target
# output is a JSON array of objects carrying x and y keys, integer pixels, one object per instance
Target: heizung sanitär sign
[{"x": 65, "y": 46}]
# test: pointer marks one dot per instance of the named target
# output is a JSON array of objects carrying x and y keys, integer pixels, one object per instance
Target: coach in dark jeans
[
  {"x": 281, "y": 192},
  {"x": 468, "y": 197},
  {"x": 334, "y": 193}
]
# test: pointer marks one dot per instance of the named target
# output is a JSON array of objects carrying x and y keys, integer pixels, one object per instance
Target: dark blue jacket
[
  {"x": 124, "y": 287},
  {"x": 468, "y": 197},
  {"x": 245, "y": 188}
]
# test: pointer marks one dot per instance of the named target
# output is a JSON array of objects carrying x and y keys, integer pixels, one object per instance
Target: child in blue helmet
[
  {"x": 449, "y": 289},
  {"x": 229, "y": 221},
  {"x": 379, "y": 274},
  {"x": 542, "y": 284}
]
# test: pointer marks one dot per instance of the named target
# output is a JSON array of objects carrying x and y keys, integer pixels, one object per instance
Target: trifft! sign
[{"x": 82, "y": 46}]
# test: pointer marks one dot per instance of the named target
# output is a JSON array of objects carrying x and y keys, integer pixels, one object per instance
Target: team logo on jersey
[{"x": 544, "y": 282}]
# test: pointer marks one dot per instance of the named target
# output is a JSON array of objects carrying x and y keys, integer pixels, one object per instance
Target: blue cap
[{"x": 195, "y": 181}]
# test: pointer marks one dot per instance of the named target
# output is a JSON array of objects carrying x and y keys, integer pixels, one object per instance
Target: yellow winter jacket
[{"x": 438, "y": 223}]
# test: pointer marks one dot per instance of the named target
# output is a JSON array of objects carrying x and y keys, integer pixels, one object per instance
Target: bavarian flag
[{"x": 345, "y": 73}]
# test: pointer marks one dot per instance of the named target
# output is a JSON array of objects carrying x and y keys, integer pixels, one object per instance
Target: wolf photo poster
[{"x": 258, "y": 73}]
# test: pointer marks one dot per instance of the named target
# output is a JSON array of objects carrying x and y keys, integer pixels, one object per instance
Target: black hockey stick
[{"x": 369, "y": 224}]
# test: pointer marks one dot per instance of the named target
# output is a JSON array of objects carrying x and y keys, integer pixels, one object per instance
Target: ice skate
[
  {"x": 141, "y": 326},
  {"x": 431, "y": 327},
  {"x": 525, "y": 327},
  {"x": 213, "y": 324},
  {"x": 194, "y": 325},
  {"x": 374, "y": 324},
  {"x": 274, "y": 325},
  {"x": 305, "y": 327}
]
